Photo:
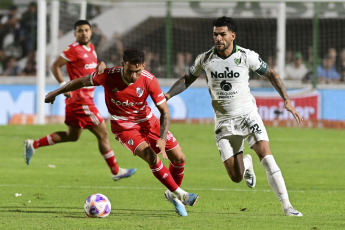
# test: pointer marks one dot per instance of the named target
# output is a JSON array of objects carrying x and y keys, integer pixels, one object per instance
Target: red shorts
[
  {"x": 148, "y": 131},
  {"x": 82, "y": 116}
]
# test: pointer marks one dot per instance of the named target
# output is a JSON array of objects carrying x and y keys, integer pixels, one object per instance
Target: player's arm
[
  {"x": 164, "y": 124},
  {"x": 278, "y": 84},
  {"x": 180, "y": 85},
  {"x": 69, "y": 86},
  {"x": 101, "y": 65},
  {"x": 56, "y": 70}
]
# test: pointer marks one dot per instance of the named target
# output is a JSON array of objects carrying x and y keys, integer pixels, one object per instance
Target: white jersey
[{"x": 228, "y": 80}]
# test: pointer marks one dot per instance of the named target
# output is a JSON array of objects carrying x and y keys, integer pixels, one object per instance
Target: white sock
[
  {"x": 276, "y": 180},
  {"x": 179, "y": 192},
  {"x": 246, "y": 163}
]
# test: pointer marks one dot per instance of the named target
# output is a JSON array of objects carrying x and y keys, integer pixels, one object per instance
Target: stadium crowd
[{"x": 18, "y": 43}]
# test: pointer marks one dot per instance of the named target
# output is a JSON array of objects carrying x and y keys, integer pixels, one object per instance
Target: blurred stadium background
[{"x": 173, "y": 33}]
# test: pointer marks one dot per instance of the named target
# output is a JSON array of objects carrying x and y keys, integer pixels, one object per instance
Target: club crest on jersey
[
  {"x": 237, "y": 61},
  {"x": 140, "y": 92},
  {"x": 85, "y": 56},
  {"x": 130, "y": 142}
]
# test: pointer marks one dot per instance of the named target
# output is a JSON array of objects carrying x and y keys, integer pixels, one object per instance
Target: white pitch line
[{"x": 162, "y": 188}]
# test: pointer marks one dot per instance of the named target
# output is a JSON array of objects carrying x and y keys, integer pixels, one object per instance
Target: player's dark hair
[
  {"x": 226, "y": 21},
  {"x": 134, "y": 56},
  {"x": 81, "y": 22}
]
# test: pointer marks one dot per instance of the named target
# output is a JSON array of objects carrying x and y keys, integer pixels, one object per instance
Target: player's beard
[
  {"x": 84, "y": 41},
  {"x": 222, "y": 50}
]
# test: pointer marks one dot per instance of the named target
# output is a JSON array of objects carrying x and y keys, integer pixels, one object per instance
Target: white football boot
[
  {"x": 249, "y": 174},
  {"x": 290, "y": 211}
]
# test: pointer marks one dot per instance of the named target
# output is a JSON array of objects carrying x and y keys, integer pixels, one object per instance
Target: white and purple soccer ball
[{"x": 97, "y": 205}]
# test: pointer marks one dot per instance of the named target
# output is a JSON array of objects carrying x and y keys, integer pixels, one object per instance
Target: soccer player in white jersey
[
  {"x": 236, "y": 117},
  {"x": 126, "y": 89}
]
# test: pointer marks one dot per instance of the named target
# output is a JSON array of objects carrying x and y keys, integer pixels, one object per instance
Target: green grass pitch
[{"x": 55, "y": 185}]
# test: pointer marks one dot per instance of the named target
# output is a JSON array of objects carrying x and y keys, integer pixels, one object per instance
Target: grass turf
[{"x": 55, "y": 185}]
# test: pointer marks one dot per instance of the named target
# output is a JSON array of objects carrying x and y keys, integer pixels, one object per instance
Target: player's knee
[
  {"x": 150, "y": 155},
  {"x": 73, "y": 138}
]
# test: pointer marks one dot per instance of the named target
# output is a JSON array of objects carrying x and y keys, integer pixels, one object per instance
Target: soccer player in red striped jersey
[
  {"x": 81, "y": 113},
  {"x": 126, "y": 90}
]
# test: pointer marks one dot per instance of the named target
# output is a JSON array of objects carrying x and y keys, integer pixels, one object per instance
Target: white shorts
[{"x": 231, "y": 133}]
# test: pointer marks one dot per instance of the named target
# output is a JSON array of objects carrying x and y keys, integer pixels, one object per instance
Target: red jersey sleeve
[
  {"x": 99, "y": 77},
  {"x": 156, "y": 92},
  {"x": 70, "y": 54}
]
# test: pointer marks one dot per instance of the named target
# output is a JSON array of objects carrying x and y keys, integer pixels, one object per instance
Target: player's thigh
[
  {"x": 154, "y": 135},
  {"x": 257, "y": 129},
  {"x": 100, "y": 131},
  {"x": 131, "y": 139},
  {"x": 229, "y": 146},
  {"x": 145, "y": 152},
  {"x": 82, "y": 116}
]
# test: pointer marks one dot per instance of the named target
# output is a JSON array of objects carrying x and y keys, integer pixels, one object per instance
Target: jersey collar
[{"x": 234, "y": 50}]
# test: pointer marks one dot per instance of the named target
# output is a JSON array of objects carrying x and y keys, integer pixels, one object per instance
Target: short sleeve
[
  {"x": 69, "y": 54},
  {"x": 156, "y": 92},
  {"x": 197, "y": 68},
  {"x": 255, "y": 63},
  {"x": 99, "y": 77}
]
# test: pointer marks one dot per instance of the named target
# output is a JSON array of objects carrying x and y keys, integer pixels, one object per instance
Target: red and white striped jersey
[
  {"x": 81, "y": 62},
  {"x": 127, "y": 103}
]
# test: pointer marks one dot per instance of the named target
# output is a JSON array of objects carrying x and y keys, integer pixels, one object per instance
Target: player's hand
[
  {"x": 50, "y": 98},
  {"x": 161, "y": 145},
  {"x": 68, "y": 94},
  {"x": 101, "y": 65},
  {"x": 167, "y": 96},
  {"x": 289, "y": 107}
]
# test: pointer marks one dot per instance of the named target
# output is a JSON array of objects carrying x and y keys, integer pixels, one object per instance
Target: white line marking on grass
[{"x": 162, "y": 188}]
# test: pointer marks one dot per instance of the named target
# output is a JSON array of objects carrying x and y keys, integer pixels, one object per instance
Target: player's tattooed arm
[
  {"x": 278, "y": 84},
  {"x": 180, "y": 85},
  {"x": 164, "y": 128}
]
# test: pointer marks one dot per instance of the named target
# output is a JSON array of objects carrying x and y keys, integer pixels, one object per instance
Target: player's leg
[
  {"x": 274, "y": 176},
  {"x": 231, "y": 153},
  {"x": 177, "y": 163},
  {"x": 30, "y": 146},
  {"x": 176, "y": 168},
  {"x": 101, "y": 132},
  {"x": 145, "y": 152}
]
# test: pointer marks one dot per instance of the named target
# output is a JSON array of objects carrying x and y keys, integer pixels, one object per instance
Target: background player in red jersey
[
  {"x": 81, "y": 113},
  {"x": 126, "y": 89}
]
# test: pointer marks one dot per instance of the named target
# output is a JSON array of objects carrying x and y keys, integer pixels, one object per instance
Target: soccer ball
[{"x": 97, "y": 205}]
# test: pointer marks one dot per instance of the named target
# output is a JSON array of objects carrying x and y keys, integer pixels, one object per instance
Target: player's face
[
  {"x": 223, "y": 38},
  {"x": 83, "y": 34},
  {"x": 132, "y": 72}
]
